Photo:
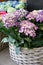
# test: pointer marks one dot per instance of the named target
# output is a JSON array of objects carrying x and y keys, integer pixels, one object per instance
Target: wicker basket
[
  {"x": 2, "y": 46},
  {"x": 27, "y": 57}
]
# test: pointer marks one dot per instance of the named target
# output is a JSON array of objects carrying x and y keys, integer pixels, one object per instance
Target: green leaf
[
  {"x": 8, "y": 39},
  {"x": 40, "y": 25},
  {"x": 38, "y": 42},
  {"x": 17, "y": 49},
  {"x": 1, "y": 24},
  {"x": 28, "y": 39},
  {"x": 5, "y": 40},
  {"x": 11, "y": 40}
]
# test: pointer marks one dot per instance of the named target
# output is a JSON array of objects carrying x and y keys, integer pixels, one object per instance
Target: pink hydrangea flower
[
  {"x": 36, "y": 14},
  {"x": 9, "y": 20},
  {"x": 20, "y": 13},
  {"x": 32, "y": 15},
  {"x": 39, "y": 17},
  {"x": 28, "y": 28}
]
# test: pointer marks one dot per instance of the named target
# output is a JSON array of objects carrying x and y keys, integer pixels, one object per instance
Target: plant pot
[{"x": 27, "y": 56}]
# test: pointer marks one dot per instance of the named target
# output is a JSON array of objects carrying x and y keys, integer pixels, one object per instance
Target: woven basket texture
[{"x": 27, "y": 57}]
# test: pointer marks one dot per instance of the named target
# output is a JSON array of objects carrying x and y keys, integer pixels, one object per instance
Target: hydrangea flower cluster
[
  {"x": 20, "y": 13},
  {"x": 28, "y": 28},
  {"x": 40, "y": 16},
  {"x": 32, "y": 15},
  {"x": 9, "y": 20},
  {"x": 36, "y": 14}
]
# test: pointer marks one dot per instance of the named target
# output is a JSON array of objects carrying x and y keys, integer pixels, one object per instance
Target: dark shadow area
[{"x": 34, "y": 4}]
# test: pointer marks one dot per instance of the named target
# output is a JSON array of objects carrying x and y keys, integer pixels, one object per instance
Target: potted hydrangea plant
[{"x": 25, "y": 36}]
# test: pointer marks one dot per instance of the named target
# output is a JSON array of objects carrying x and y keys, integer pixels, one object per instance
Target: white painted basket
[{"x": 27, "y": 56}]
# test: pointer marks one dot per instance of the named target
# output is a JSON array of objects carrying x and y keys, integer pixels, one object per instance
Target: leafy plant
[{"x": 23, "y": 29}]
